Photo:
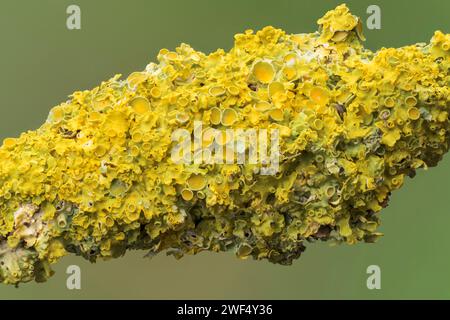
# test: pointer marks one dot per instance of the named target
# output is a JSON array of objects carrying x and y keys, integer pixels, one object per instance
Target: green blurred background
[{"x": 42, "y": 62}]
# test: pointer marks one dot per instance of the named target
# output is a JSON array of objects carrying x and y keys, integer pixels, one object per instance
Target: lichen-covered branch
[{"x": 97, "y": 178}]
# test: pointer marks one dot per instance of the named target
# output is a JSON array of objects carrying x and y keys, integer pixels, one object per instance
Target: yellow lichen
[
  {"x": 263, "y": 71},
  {"x": 99, "y": 177}
]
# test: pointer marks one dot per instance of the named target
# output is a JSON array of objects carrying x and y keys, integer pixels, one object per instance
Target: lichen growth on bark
[{"x": 97, "y": 178}]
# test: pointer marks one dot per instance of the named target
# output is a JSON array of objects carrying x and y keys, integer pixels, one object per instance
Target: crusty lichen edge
[{"x": 96, "y": 178}]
